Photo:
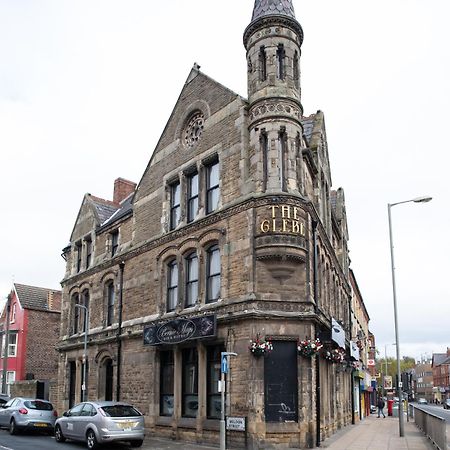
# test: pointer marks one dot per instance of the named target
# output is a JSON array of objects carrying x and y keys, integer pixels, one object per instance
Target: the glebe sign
[
  {"x": 180, "y": 330},
  {"x": 283, "y": 219}
]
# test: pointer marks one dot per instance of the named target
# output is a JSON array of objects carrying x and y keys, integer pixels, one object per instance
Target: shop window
[
  {"x": 12, "y": 344},
  {"x": 212, "y": 187},
  {"x": 114, "y": 242},
  {"x": 192, "y": 197},
  {"x": 111, "y": 300},
  {"x": 190, "y": 382},
  {"x": 213, "y": 377},
  {"x": 175, "y": 206},
  {"x": 172, "y": 285},
  {"x": 281, "y": 383},
  {"x": 191, "y": 264},
  {"x": 212, "y": 274},
  {"x": 166, "y": 384}
]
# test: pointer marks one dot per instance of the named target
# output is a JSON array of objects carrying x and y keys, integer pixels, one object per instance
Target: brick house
[
  {"x": 441, "y": 375},
  {"x": 33, "y": 332},
  {"x": 232, "y": 235}
]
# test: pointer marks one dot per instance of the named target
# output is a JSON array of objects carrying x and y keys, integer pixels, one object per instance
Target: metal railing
[{"x": 432, "y": 426}]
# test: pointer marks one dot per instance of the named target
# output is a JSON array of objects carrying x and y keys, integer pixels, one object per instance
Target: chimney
[
  {"x": 54, "y": 300},
  {"x": 448, "y": 351},
  {"x": 122, "y": 189}
]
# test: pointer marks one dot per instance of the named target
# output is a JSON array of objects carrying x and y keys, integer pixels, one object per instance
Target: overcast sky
[{"x": 87, "y": 86}]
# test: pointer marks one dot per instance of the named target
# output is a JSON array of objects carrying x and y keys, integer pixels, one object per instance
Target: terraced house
[{"x": 233, "y": 236}]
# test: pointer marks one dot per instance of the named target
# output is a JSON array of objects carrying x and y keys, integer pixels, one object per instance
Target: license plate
[
  {"x": 40, "y": 425},
  {"x": 126, "y": 429}
]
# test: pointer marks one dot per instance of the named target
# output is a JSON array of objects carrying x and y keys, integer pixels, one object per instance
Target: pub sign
[{"x": 180, "y": 330}]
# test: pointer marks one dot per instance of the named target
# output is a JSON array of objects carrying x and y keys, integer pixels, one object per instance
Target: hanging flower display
[
  {"x": 309, "y": 347},
  {"x": 335, "y": 355},
  {"x": 260, "y": 346}
]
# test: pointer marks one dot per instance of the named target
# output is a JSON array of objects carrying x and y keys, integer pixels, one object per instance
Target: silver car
[
  {"x": 101, "y": 422},
  {"x": 27, "y": 413}
]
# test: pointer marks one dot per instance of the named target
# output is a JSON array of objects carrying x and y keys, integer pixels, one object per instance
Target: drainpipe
[
  {"x": 5, "y": 354},
  {"x": 352, "y": 387},
  {"x": 119, "y": 330},
  {"x": 316, "y": 307}
]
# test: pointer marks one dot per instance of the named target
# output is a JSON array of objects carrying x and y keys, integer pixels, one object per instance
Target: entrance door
[
  {"x": 72, "y": 382},
  {"x": 108, "y": 368},
  {"x": 281, "y": 383}
]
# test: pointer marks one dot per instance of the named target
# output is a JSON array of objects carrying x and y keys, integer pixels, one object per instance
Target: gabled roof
[
  {"x": 125, "y": 208},
  {"x": 104, "y": 208},
  {"x": 33, "y": 297},
  {"x": 439, "y": 358}
]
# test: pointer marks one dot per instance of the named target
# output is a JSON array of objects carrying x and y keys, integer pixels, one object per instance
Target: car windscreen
[
  {"x": 120, "y": 411},
  {"x": 40, "y": 406}
]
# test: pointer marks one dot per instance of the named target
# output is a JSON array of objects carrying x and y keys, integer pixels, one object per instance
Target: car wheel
[
  {"x": 59, "y": 437},
  {"x": 136, "y": 443},
  {"x": 12, "y": 427},
  {"x": 91, "y": 440}
]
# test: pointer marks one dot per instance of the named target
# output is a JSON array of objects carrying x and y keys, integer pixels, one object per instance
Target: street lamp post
[
  {"x": 397, "y": 341},
  {"x": 86, "y": 325}
]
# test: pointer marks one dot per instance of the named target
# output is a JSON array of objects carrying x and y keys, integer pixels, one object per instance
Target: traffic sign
[{"x": 224, "y": 365}]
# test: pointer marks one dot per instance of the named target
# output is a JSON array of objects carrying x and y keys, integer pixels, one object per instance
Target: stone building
[{"x": 232, "y": 235}]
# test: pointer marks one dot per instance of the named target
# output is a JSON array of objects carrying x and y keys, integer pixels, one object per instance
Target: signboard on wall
[
  {"x": 180, "y": 330},
  {"x": 337, "y": 333},
  {"x": 387, "y": 382},
  {"x": 354, "y": 350}
]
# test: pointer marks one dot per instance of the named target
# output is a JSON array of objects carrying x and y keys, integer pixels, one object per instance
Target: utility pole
[{"x": 6, "y": 337}]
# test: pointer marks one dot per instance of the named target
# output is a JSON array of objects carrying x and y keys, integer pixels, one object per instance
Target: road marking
[{"x": 6, "y": 448}]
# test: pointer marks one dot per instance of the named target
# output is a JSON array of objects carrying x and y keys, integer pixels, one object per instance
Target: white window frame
[{"x": 12, "y": 348}]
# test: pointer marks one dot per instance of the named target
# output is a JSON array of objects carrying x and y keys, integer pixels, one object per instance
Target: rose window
[{"x": 194, "y": 130}]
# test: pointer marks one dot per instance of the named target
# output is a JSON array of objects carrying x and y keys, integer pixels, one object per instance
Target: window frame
[
  {"x": 189, "y": 360},
  {"x": 188, "y": 260},
  {"x": 110, "y": 305},
  {"x": 212, "y": 275},
  {"x": 79, "y": 260},
  {"x": 175, "y": 204},
  {"x": 212, "y": 188},
  {"x": 213, "y": 358},
  {"x": 114, "y": 242},
  {"x": 85, "y": 300},
  {"x": 75, "y": 300},
  {"x": 13, "y": 353},
  {"x": 88, "y": 256},
  {"x": 172, "y": 289},
  {"x": 192, "y": 199}
]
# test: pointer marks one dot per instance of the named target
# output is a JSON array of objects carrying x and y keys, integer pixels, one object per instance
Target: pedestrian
[{"x": 380, "y": 405}]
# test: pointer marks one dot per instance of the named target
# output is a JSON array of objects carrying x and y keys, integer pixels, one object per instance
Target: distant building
[
  {"x": 423, "y": 380},
  {"x": 441, "y": 375},
  {"x": 34, "y": 324}
]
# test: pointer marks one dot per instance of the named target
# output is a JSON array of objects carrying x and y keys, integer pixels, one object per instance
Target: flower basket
[
  {"x": 309, "y": 347},
  {"x": 260, "y": 347},
  {"x": 335, "y": 355}
]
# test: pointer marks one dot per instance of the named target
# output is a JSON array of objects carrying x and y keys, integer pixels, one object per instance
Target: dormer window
[
  {"x": 88, "y": 252},
  {"x": 79, "y": 249},
  {"x": 114, "y": 242}
]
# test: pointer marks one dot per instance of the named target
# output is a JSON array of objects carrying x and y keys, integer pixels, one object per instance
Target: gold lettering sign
[{"x": 283, "y": 219}]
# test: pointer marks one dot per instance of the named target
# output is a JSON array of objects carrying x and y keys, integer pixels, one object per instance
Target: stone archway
[{"x": 105, "y": 377}]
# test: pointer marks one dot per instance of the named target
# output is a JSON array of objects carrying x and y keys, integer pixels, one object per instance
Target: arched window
[
  {"x": 191, "y": 264},
  {"x": 110, "y": 302},
  {"x": 85, "y": 312},
  {"x": 264, "y": 142},
  {"x": 75, "y": 313},
  {"x": 172, "y": 285},
  {"x": 212, "y": 274},
  {"x": 262, "y": 57}
]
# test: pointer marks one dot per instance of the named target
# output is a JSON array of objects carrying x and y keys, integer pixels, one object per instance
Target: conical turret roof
[{"x": 273, "y": 8}]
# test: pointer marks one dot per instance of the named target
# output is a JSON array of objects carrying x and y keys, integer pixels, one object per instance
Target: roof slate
[
  {"x": 308, "y": 126},
  {"x": 105, "y": 209},
  {"x": 273, "y": 7},
  {"x": 32, "y": 297}
]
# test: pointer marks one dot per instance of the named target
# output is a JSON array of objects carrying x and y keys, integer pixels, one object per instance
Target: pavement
[{"x": 372, "y": 433}]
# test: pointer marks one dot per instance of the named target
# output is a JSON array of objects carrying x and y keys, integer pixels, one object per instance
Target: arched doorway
[{"x": 106, "y": 379}]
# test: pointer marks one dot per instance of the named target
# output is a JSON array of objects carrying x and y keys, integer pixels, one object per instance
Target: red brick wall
[{"x": 41, "y": 357}]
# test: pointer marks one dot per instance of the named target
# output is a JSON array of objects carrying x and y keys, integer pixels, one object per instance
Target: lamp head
[{"x": 422, "y": 199}]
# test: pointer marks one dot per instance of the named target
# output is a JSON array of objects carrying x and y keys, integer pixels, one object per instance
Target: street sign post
[{"x": 225, "y": 364}]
